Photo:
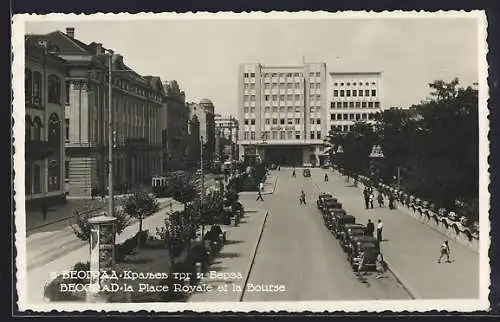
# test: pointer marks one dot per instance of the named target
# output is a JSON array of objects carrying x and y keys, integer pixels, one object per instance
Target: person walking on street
[
  {"x": 380, "y": 227},
  {"x": 293, "y": 173},
  {"x": 259, "y": 196},
  {"x": 366, "y": 196},
  {"x": 361, "y": 265},
  {"x": 380, "y": 200},
  {"x": 370, "y": 228},
  {"x": 326, "y": 177},
  {"x": 302, "y": 198},
  {"x": 380, "y": 266},
  {"x": 370, "y": 199},
  {"x": 391, "y": 201},
  {"x": 445, "y": 251},
  {"x": 261, "y": 186},
  {"x": 44, "y": 212}
]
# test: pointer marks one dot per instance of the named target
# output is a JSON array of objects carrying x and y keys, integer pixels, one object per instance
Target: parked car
[
  {"x": 362, "y": 238},
  {"x": 306, "y": 173},
  {"x": 351, "y": 232},
  {"x": 331, "y": 217},
  {"x": 330, "y": 205},
  {"x": 325, "y": 166},
  {"x": 340, "y": 222},
  {"x": 367, "y": 248},
  {"x": 345, "y": 228},
  {"x": 321, "y": 199}
]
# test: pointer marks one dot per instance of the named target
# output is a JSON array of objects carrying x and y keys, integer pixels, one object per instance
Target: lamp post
[
  {"x": 201, "y": 170},
  {"x": 376, "y": 155}
]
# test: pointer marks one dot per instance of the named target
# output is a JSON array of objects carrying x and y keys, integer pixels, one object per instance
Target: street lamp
[
  {"x": 376, "y": 155},
  {"x": 201, "y": 170}
]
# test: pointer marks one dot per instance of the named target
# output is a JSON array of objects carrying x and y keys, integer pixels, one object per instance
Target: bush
[{"x": 129, "y": 245}]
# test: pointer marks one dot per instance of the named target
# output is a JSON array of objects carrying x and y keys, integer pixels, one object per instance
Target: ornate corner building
[
  {"x": 45, "y": 79},
  {"x": 137, "y": 109}
]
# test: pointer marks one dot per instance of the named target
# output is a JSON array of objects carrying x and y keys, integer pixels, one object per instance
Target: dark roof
[{"x": 60, "y": 42}]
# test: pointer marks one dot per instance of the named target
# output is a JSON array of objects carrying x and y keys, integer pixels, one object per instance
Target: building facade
[
  {"x": 44, "y": 85},
  {"x": 175, "y": 139},
  {"x": 204, "y": 114},
  {"x": 226, "y": 137},
  {"x": 354, "y": 97},
  {"x": 136, "y": 124},
  {"x": 282, "y": 112}
]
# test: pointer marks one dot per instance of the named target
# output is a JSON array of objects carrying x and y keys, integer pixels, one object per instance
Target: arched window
[
  {"x": 54, "y": 174},
  {"x": 54, "y": 131},
  {"x": 27, "y": 128},
  {"x": 28, "y": 84},
  {"x": 37, "y": 88},
  {"x": 37, "y": 129},
  {"x": 54, "y": 89}
]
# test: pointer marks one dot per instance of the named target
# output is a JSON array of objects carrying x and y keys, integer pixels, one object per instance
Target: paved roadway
[
  {"x": 299, "y": 252},
  {"x": 50, "y": 242}
]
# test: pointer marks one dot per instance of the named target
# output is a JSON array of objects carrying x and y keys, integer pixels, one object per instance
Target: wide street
[{"x": 299, "y": 252}]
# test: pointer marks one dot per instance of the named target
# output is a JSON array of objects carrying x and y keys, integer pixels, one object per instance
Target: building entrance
[{"x": 284, "y": 156}]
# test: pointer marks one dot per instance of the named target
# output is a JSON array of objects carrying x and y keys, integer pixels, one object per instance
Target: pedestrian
[
  {"x": 261, "y": 186},
  {"x": 445, "y": 251},
  {"x": 370, "y": 199},
  {"x": 302, "y": 198},
  {"x": 361, "y": 265},
  {"x": 44, "y": 212},
  {"x": 259, "y": 196},
  {"x": 326, "y": 177},
  {"x": 370, "y": 228},
  {"x": 380, "y": 199},
  {"x": 366, "y": 196},
  {"x": 293, "y": 173},
  {"x": 380, "y": 266},
  {"x": 380, "y": 227},
  {"x": 391, "y": 201}
]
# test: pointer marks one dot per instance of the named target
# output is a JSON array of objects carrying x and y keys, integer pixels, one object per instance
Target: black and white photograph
[{"x": 215, "y": 162}]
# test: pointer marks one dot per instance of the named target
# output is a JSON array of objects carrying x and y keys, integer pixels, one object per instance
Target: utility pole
[
  {"x": 201, "y": 169},
  {"x": 110, "y": 136}
]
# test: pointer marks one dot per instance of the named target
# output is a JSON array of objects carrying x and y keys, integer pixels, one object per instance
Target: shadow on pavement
[
  {"x": 232, "y": 242},
  {"x": 228, "y": 255}
]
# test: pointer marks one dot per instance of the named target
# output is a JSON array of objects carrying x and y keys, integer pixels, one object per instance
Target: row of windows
[
  {"x": 354, "y": 84},
  {"x": 33, "y": 129},
  {"x": 282, "y": 135},
  {"x": 33, "y": 87},
  {"x": 354, "y": 93},
  {"x": 352, "y": 116},
  {"x": 290, "y": 109},
  {"x": 354, "y": 104},
  {"x": 341, "y": 128},
  {"x": 311, "y": 74},
  {"x": 282, "y": 121}
]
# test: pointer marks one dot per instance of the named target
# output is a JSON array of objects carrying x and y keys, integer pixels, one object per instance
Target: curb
[
  {"x": 401, "y": 281},
  {"x": 274, "y": 187},
  {"x": 254, "y": 254}
]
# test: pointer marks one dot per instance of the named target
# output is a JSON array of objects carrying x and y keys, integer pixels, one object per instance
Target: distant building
[
  {"x": 282, "y": 112},
  {"x": 204, "y": 113},
  {"x": 175, "y": 131},
  {"x": 354, "y": 97},
  {"x": 45, "y": 81},
  {"x": 226, "y": 137},
  {"x": 136, "y": 107}
]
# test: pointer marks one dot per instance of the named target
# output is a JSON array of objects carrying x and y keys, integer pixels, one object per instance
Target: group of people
[
  {"x": 369, "y": 196},
  {"x": 370, "y": 229}
]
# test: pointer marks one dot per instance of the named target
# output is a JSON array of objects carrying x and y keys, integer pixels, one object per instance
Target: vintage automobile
[
  {"x": 344, "y": 228},
  {"x": 330, "y": 204},
  {"x": 322, "y": 198},
  {"x": 332, "y": 215},
  {"x": 306, "y": 173},
  {"x": 339, "y": 223},
  {"x": 363, "y": 248},
  {"x": 350, "y": 233}
]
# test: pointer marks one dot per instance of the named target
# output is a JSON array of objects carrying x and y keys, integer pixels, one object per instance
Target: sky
[{"x": 203, "y": 55}]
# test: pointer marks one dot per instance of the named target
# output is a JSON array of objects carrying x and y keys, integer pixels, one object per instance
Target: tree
[
  {"x": 81, "y": 226},
  {"x": 184, "y": 189},
  {"x": 140, "y": 205}
]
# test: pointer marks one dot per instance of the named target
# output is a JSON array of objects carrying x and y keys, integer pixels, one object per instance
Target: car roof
[
  {"x": 365, "y": 238},
  {"x": 353, "y": 225},
  {"x": 346, "y": 216}
]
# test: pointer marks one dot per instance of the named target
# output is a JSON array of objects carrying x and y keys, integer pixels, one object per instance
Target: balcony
[{"x": 36, "y": 149}]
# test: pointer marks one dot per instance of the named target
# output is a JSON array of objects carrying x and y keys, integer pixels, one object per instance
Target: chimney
[
  {"x": 70, "y": 31},
  {"x": 98, "y": 49}
]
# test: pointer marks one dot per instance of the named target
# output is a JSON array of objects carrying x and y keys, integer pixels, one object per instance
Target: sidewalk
[
  {"x": 269, "y": 185},
  {"x": 38, "y": 277},
  {"x": 411, "y": 249},
  {"x": 236, "y": 256}
]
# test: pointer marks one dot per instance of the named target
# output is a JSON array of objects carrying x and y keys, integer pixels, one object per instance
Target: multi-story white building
[
  {"x": 282, "y": 112},
  {"x": 353, "y": 97}
]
